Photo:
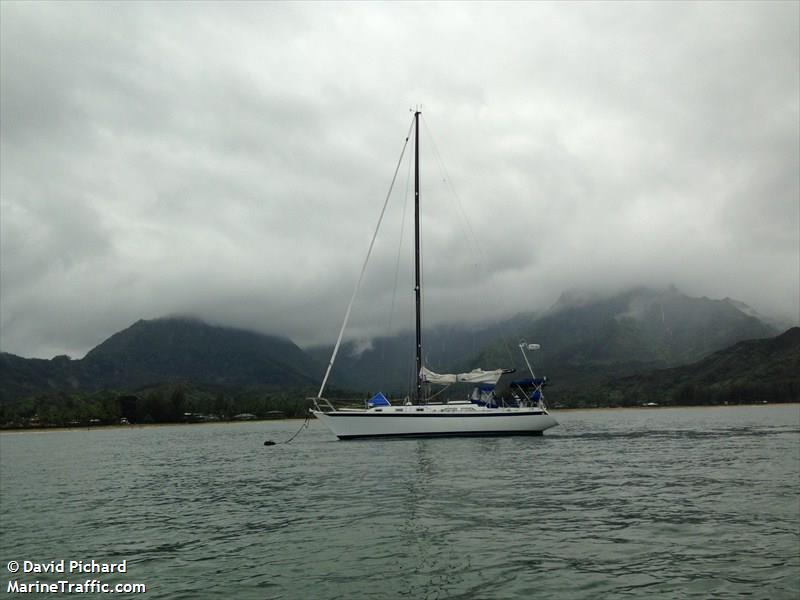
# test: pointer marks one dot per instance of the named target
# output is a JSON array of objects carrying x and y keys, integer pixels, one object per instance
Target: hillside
[
  {"x": 150, "y": 352},
  {"x": 584, "y": 338},
  {"x": 766, "y": 370},
  {"x": 163, "y": 349},
  {"x": 21, "y": 377},
  {"x": 589, "y": 339}
]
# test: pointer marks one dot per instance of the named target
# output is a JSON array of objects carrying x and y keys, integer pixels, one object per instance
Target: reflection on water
[{"x": 660, "y": 503}]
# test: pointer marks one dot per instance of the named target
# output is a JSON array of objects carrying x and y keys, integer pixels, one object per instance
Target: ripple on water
[{"x": 660, "y": 504}]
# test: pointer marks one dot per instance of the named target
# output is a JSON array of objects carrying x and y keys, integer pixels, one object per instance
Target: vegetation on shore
[
  {"x": 183, "y": 403},
  {"x": 167, "y": 403}
]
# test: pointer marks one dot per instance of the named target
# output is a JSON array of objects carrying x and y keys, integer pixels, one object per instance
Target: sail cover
[
  {"x": 475, "y": 376},
  {"x": 378, "y": 400}
]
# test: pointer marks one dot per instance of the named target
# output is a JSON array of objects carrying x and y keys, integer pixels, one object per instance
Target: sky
[{"x": 230, "y": 161}]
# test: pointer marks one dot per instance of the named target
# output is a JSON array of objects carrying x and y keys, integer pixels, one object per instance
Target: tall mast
[{"x": 417, "y": 283}]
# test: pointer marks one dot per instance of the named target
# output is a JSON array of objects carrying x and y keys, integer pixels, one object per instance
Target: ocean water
[{"x": 647, "y": 503}]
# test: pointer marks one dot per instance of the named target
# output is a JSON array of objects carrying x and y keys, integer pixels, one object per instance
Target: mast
[{"x": 418, "y": 398}]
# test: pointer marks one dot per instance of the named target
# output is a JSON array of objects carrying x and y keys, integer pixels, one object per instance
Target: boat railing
[{"x": 322, "y": 404}]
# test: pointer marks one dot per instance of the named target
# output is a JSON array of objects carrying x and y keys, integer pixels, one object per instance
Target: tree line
[
  {"x": 167, "y": 403},
  {"x": 685, "y": 394},
  {"x": 183, "y": 402}
]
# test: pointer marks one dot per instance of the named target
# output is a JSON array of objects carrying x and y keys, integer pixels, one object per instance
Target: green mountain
[
  {"x": 21, "y": 377},
  {"x": 584, "y": 338},
  {"x": 163, "y": 350},
  {"x": 766, "y": 370}
]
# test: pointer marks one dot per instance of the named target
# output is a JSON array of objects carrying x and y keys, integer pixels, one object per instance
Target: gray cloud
[{"x": 229, "y": 160}]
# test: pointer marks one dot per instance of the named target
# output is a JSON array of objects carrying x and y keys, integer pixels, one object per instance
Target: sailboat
[{"x": 500, "y": 403}]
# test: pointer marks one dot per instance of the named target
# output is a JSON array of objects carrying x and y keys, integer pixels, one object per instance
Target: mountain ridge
[
  {"x": 585, "y": 339},
  {"x": 167, "y": 349},
  {"x": 750, "y": 371}
]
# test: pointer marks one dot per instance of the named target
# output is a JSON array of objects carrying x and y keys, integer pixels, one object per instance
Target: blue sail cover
[{"x": 378, "y": 400}]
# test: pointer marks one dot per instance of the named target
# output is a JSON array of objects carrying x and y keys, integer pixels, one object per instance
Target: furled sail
[{"x": 474, "y": 376}]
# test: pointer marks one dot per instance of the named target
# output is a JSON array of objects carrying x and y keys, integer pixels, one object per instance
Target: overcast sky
[{"x": 229, "y": 161}]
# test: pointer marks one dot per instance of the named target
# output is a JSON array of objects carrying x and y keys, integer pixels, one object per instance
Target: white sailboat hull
[{"x": 364, "y": 424}]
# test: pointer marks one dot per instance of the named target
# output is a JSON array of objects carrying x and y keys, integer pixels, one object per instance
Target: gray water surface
[{"x": 659, "y": 503}]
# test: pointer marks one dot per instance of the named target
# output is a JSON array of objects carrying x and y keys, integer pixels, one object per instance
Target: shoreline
[
  {"x": 674, "y": 406},
  {"x": 294, "y": 419},
  {"x": 40, "y": 429}
]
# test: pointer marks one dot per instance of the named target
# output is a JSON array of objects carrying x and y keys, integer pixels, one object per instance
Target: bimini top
[{"x": 474, "y": 376}]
